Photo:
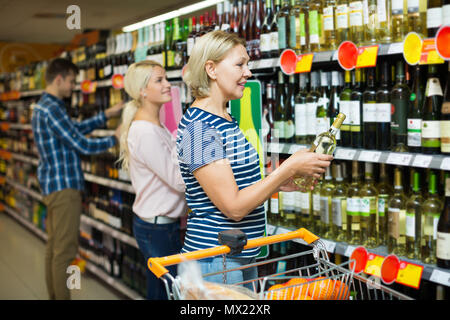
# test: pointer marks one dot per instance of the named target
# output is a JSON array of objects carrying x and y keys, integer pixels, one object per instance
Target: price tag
[
  {"x": 373, "y": 266},
  {"x": 395, "y": 48},
  {"x": 422, "y": 161},
  {"x": 117, "y": 81},
  {"x": 429, "y": 54},
  {"x": 445, "y": 165},
  {"x": 369, "y": 156},
  {"x": 335, "y": 55},
  {"x": 304, "y": 63},
  {"x": 265, "y": 63},
  {"x": 270, "y": 229},
  {"x": 345, "y": 154},
  {"x": 367, "y": 56},
  {"x": 409, "y": 274},
  {"x": 440, "y": 277},
  {"x": 349, "y": 250},
  {"x": 88, "y": 86},
  {"x": 399, "y": 158},
  {"x": 4, "y": 126},
  {"x": 329, "y": 245}
]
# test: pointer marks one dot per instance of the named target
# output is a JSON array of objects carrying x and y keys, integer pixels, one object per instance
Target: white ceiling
[{"x": 18, "y": 24}]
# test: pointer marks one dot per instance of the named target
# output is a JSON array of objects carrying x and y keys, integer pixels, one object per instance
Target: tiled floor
[{"x": 22, "y": 267}]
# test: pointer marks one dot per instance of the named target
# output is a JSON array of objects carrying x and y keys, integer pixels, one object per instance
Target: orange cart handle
[{"x": 157, "y": 265}]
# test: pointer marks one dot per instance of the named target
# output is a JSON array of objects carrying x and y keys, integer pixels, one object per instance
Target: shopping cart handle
[{"x": 157, "y": 265}]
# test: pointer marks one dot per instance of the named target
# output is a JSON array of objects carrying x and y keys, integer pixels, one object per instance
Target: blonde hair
[
  {"x": 212, "y": 46},
  {"x": 136, "y": 79}
]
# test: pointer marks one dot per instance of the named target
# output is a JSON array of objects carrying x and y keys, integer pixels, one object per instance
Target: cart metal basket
[{"x": 315, "y": 278}]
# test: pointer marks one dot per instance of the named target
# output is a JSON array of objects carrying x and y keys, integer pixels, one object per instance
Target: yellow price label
[
  {"x": 373, "y": 266},
  {"x": 429, "y": 54},
  {"x": 367, "y": 56},
  {"x": 412, "y": 48},
  {"x": 409, "y": 274},
  {"x": 304, "y": 63}
]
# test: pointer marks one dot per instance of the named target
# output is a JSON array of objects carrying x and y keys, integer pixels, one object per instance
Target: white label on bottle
[
  {"x": 310, "y": 118},
  {"x": 356, "y": 14},
  {"x": 446, "y": 14},
  {"x": 316, "y": 202},
  {"x": 354, "y": 205},
  {"x": 434, "y": 17},
  {"x": 264, "y": 43},
  {"x": 383, "y": 112},
  {"x": 322, "y": 125},
  {"x": 298, "y": 201},
  {"x": 304, "y": 202},
  {"x": 190, "y": 45},
  {"x": 288, "y": 200},
  {"x": 355, "y": 113},
  {"x": 278, "y": 127},
  {"x": 369, "y": 112},
  {"x": 274, "y": 41},
  {"x": 410, "y": 225},
  {"x": 433, "y": 88},
  {"x": 414, "y": 132},
  {"x": 413, "y": 6},
  {"x": 324, "y": 210},
  {"x": 300, "y": 119},
  {"x": 336, "y": 211},
  {"x": 328, "y": 18},
  {"x": 381, "y": 206},
  {"x": 344, "y": 107},
  {"x": 431, "y": 129},
  {"x": 342, "y": 16},
  {"x": 397, "y": 7},
  {"x": 365, "y": 12},
  {"x": 274, "y": 205},
  {"x": 445, "y": 136},
  {"x": 381, "y": 9},
  {"x": 443, "y": 245}
]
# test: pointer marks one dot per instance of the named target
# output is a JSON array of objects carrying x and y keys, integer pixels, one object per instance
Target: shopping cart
[{"x": 314, "y": 277}]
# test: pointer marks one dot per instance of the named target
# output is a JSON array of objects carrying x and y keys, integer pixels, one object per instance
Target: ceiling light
[{"x": 172, "y": 14}]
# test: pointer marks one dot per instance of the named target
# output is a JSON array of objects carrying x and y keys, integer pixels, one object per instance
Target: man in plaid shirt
[{"x": 60, "y": 141}]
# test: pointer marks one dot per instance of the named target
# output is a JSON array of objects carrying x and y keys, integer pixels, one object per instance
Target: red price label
[
  {"x": 87, "y": 86},
  {"x": 117, "y": 81}
]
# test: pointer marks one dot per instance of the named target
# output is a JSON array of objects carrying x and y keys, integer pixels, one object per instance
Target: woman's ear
[{"x": 210, "y": 68}]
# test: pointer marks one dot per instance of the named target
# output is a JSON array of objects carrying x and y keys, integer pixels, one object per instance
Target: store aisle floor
[{"x": 22, "y": 267}]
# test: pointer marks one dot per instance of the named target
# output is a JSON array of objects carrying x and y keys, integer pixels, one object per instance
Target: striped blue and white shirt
[
  {"x": 203, "y": 138},
  {"x": 59, "y": 141}
]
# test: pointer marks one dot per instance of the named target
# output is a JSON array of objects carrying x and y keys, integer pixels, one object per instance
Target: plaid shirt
[{"x": 60, "y": 140}]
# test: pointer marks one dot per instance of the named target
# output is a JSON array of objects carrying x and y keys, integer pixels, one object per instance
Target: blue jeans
[
  {"x": 157, "y": 240},
  {"x": 216, "y": 264}
]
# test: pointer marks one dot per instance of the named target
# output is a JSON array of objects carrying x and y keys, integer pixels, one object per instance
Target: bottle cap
[{"x": 339, "y": 120}]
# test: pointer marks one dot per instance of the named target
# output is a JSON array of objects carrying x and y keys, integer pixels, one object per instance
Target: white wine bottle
[
  {"x": 339, "y": 206},
  {"x": 326, "y": 194},
  {"x": 443, "y": 231},
  {"x": 413, "y": 218},
  {"x": 397, "y": 217},
  {"x": 368, "y": 209},
  {"x": 325, "y": 143},
  {"x": 354, "y": 207}
]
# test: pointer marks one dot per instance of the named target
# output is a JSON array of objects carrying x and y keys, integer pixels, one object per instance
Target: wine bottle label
[
  {"x": 316, "y": 203},
  {"x": 328, "y": 18},
  {"x": 322, "y": 125},
  {"x": 369, "y": 112},
  {"x": 383, "y": 112},
  {"x": 304, "y": 202},
  {"x": 382, "y": 205},
  {"x": 342, "y": 16},
  {"x": 294, "y": 28},
  {"x": 381, "y": 10},
  {"x": 433, "y": 88},
  {"x": 289, "y": 129},
  {"x": 414, "y": 132},
  {"x": 410, "y": 224},
  {"x": 447, "y": 187},
  {"x": 365, "y": 12},
  {"x": 368, "y": 206},
  {"x": 344, "y": 107},
  {"x": 298, "y": 201},
  {"x": 278, "y": 129},
  {"x": 356, "y": 14},
  {"x": 393, "y": 222},
  {"x": 397, "y": 7},
  {"x": 274, "y": 206},
  {"x": 288, "y": 201},
  {"x": 336, "y": 211},
  {"x": 313, "y": 27},
  {"x": 355, "y": 113},
  {"x": 443, "y": 245},
  {"x": 398, "y": 124},
  {"x": 311, "y": 118},
  {"x": 300, "y": 119},
  {"x": 353, "y": 206},
  {"x": 324, "y": 210},
  {"x": 446, "y": 107},
  {"x": 274, "y": 40},
  {"x": 445, "y": 136},
  {"x": 413, "y": 6},
  {"x": 431, "y": 129},
  {"x": 265, "y": 42},
  {"x": 434, "y": 17},
  {"x": 281, "y": 32}
]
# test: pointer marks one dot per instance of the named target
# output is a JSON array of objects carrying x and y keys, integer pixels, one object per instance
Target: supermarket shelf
[
  {"x": 118, "y": 285},
  {"x": 26, "y": 190},
  {"x": 430, "y": 272},
  {"x": 20, "y": 157},
  {"x": 17, "y": 126},
  {"x": 420, "y": 160},
  {"x": 109, "y": 183},
  {"x": 100, "y": 84},
  {"x": 109, "y": 230},
  {"x": 31, "y": 93}
]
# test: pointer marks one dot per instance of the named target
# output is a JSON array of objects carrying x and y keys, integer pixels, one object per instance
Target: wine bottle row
[
  {"x": 352, "y": 204},
  {"x": 406, "y": 113}
]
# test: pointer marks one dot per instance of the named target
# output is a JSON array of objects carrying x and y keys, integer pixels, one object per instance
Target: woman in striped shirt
[{"x": 219, "y": 166}]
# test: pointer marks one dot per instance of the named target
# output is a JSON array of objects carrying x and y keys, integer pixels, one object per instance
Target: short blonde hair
[
  {"x": 135, "y": 80},
  {"x": 212, "y": 46}
]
